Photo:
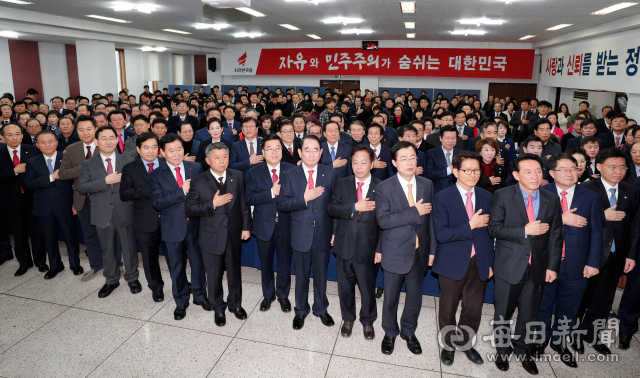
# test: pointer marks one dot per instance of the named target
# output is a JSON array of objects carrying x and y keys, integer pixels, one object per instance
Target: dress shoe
[
  {"x": 53, "y": 273},
  {"x": 265, "y": 305},
  {"x": 326, "y": 319},
  {"x": 22, "y": 270},
  {"x": 205, "y": 305},
  {"x": 43, "y": 268},
  {"x": 239, "y": 312},
  {"x": 474, "y": 356},
  {"x": 158, "y": 296},
  {"x": 285, "y": 305},
  {"x": 565, "y": 355},
  {"x": 347, "y": 328},
  {"x": 78, "y": 270},
  {"x": 369, "y": 332},
  {"x": 625, "y": 341},
  {"x": 298, "y": 321},
  {"x": 135, "y": 287},
  {"x": 91, "y": 273},
  {"x": 412, "y": 343},
  {"x": 446, "y": 356},
  {"x": 379, "y": 292},
  {"x": 538, "y": 350},
  {"x": 180, "y": 312},
  {"x": 501, "y": 362},
  {"x": 107, "y": 289},
  {"x": 529, "y": 365},
  {"x": 601, "y": 348},
  {"x": 388, "y": 344},
  {"x": 6, "y": 258},
  {"x": 578, "y": 345},
  {"x": 220, "y": 319}
]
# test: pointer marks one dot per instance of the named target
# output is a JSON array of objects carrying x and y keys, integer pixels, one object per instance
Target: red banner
[{"x": 476, "y": 63}]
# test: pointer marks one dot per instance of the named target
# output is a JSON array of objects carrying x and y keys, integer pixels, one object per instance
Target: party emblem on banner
[{"x": 243, "y": 59}]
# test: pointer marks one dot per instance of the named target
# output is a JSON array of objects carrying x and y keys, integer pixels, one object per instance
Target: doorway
[
  {"x": 518, "y": 91},
  {"x": 345, "y": 85}
]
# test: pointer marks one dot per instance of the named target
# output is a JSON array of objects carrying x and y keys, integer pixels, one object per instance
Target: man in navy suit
[
  {"x": 117, "y": 121},
  {"x": 230, "y": 122},
  {"x": 247, "y": 152},
  {"x": 290, "y": 145},
  {"x": 169, "y": 185},
  {"x": 305, "y": 193},
  {"x": 335, "y": 153},
  {"x": 616, "y": 137},
  {"x": 465, "y": 132},
  {"x": 271, "y": 228},
  {"x": 408, "y": 134},
  {"x": 174, "y": 121},
  {"x": 438, "y": 167},
  {"x": 53, "y": 203},
  {"x": 464, "y": 257},
  {"x": 403, "y": 210},
  {"x": 390, "y": 135},
  {"x": 357, "y": 241},
  {"x": 382, "y": 167}
]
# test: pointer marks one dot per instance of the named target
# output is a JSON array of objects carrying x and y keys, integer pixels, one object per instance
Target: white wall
[
  {"x": 189, "y": 77},
  {"x": 166, "y": 71},
  {"x": 134, "y": 64},
  {"x": 633, "y": 106},
  {"x": 96, "y": 67},
  {"x": 6, "y": 75},
  {"x": 214, "y": 78},
  {"x": 53, "y": 69},
  {"x": 177, "y": 69}
]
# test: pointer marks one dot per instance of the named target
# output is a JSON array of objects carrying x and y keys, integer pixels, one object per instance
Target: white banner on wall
[
  {"x": 240, "y": 62},
  {"x": 609, "y": 63}
]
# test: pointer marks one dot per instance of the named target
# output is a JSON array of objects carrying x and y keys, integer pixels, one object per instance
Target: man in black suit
[
  {"x": 174, "y": 121},
  {"x": 357, "y": 243},
  {"x": 33, "y": 128},
  {"x": 527, "y": 223},
  {"x": 146, "y": 220},
  {"x": 616, "y": 137},
  {"x": 382, "y": 168},
  {"x": 117, "y": 120},
  {"x": 465, "y": 132},
  {"x": 520, "y": 122},
  {"x": 217, "y": 198},
  {"x": 403, "y": 210},
  {"x": 438, "y": 160},
  {"x": 53, "y": 203},
  {"x": 335, "y": 153},
  {"x": 621, "y": 244},
  {"x": 359, "y": 111},
  {"x": 294, "y": 106},
  {"x": 17, "y": 200},
  {"x": 256, "y": 104},
  {"x": 290, "y": 146},
  {"x": 575, "y": 133},
  {"x": 604, "y": 124}
]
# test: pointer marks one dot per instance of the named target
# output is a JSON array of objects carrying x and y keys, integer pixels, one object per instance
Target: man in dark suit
[
  {"x": 634, "y": 163},
  {"x": 100, "y": 177},
  {"x": 17, "y": 200},
  {"x": 293, "y": 106},
  {"x": 616, "y": 137},
  {"x": 357, "y": 242},
  {"x": 446, "y": 119},
  {"x": 117, "y": 121},
  {"x": 464, "y": 131},
  {"x": 290, "y": 146},
  {"x": 359, "y": 111},
  {"x": 247, "y": 152},
  {"x": 335, "y": 154},
  {"x": 174, "y": 121},
  {"x": 271, "y": 228},
  {"x": 581, "y": 254},
  {"x": 604, "y": 124},
  {"x": 305, "y": 193},
  {"x": 587, "y": 128},
  {"x": 382, "y": 167},
  {"x": 464, "y": 257},
  {"x": 52, "y": 203},
  {"x": 217, "y": 199},
  {"x": 527, "y": 223},
  {"x": 33, "y": 128},
  {"x": 390, "y": 135},
  {"x": 229, "y": 122},
  {"x": 255, "y": 104},
  {"x": 520, "y": 122},
  {"x": 438, "y": 160},
  {"x": 403, "y": 210},
  {"x": 576, "y": 133},
  {"x": 146, "y": 220},
  {"x": 621, "y": 244}
]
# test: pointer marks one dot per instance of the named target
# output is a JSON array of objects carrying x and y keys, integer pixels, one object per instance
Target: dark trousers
[
  {"x": 26, "y": 256},
  {"x": 472, "y": 290},
  {"x": 5, "y": 242},
  {"x": 215, "y": 266},
  {"x": 629, "y": 310},
  {"x": 351, "y": 272},
  {"x": 303, "y": 262},
  {"x": 413, "y": 282},
  {"x": 599, "y": 294},
  {"x": 91, "y": 240},
  {"x": 126, "y": 236},
  {"x": 282, "y": 247},
  {"x": 150, "y": 250},
  {"x": 565, "y": 294},
  {"x": 506, "y": 297},
  {"x": 67, "y": 225},
  {"x": 177, "y": 266}
]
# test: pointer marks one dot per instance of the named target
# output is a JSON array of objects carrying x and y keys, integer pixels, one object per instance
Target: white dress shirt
[
  {"x": 113, "y": 161},
  {"x": 315, "y": 175},
  {"x": 449, "y": 171},
  {"x": 172, "y": 168},
  {"x": 405, "y": 188},
  {"x": 618, "y": 138},
  {"x": 607, "y": 187},
  {"x": 365, "y": 187},
  {"x": 569, "y": 195},
  {"x": 463, "y": 194},
  {"x": 376, "y": 150},
  {"x": 11, "y": 153},
  {"x": 53, "y": 163},
  {"x": 335, "y": 148},
  {"x": 277, "y": 168},
  {"x": 252, "y": 142},
  {"x": 93, "y": 148}
]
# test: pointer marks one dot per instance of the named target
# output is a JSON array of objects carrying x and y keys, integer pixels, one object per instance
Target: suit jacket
[
  {"x": 624, "y": 232},
  {"x": 27, "y": 139},
  {"x": 105, "y": 199},
  {"x": 469, "y": 132},
  {"x": 384, "y": 173},
  {"x": 390, "y": 137},
  {"x": 436, "y": 168},
  {"x": 216, "y": 225},
  {"x": 310, "y": 222},
  {"x": 174, "y": 121},
  {"x": 434, "y": 139},
  {"x": 203, "y": 134},
  {"x": 265, "y": 212},
  {"x": 74, "y": 156},
  {"x": 64, "y": 143},
  {"x": 356, "y": 232},
  {"x": 169, "y": 199},
  {"x": 11, "y": 184},
  {"x": 342, "y": 151},
  {"x": 507, "y": 222},
  {"x": 239, "y": 159},
  {"x": 128, "y": 134},
  {"x": 455, "y": 236},
  {"x": 49, "y": 198},
  {"x": 520, "y": 133},
  {"x": 499, "y": 171},
  {"x": 400, "y": 224},
  {"x": 290, "y": 109},
  {"x": 134, "y": 187},
  {"x": 607, "y": 140},
  {"x": 202, "y": 148},
  {"x": 601, "y": 126},
  {"x": 130, "y": 147},
  {"x": 287, "y": 157},
  {"x": 259, "y": 108},
  {"x": 583, "y": 245}
]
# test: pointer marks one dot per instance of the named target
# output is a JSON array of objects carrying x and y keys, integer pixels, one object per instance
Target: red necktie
[
  {"x": 109, "y": 168},
  {"x": 469, "y": 207},
  {"x": 179, "y": 177},
  {"x": 121, "y": 143},
  {"x": 359, "y": 192},
  {"x": 274, "y": 177},
  {"x": 311, "y": 179},
  {"x": 565, "y": 207},
  {"x": 221, "y": 180},
  {"x": 251, "y": 150},
  {"x": 88, "y": 152},
  {"x": 150, "y": 166},
  {"x": 291, "y": 151},
  {"x": 375, "y": 152},
  {"x": 531, "y": 215},
  {"x": 617, "y": 141},
  {"x": 16, "y": 162}
]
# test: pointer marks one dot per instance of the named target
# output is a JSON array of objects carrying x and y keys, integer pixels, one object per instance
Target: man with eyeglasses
[
  {"x": 581, "y": 255},
  {"x": 33, "y": 128},
  {"x": 247, "y": 152},
  {"x": 289, "y": 143},
  {"x": 438, "y": 160},
  {"x": 621, "y": 242}
]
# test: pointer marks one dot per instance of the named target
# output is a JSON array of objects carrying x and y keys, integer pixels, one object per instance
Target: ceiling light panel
[
  {"x": 109, "y": 19},
  {"x": 527, "y": 37},
  {"x": 468, "y": 32},
  {"x": 411, "y": 35},
  {"x": 408, "y": 6},
  {"x": 289, "y": 26},
  {"x": 19, "y": 2},
  {"x": 8, "y": 34},
  {"x": 410, "y": 25},
  {"x": 356, "y": 31},
  {"x": 613, "y": 8},
  {"x": 252, "y": 12},
  {"x": 127, "y": 6},
  {"x": 176, "y": 31},
  {"x": 313, "y": 36},
  {"x": 342, "y": 20},
  {"x": 217, "y": 26},
  {"x": 249, "y": 35},
  {"x": 558, "y": 27},
  {"x": 481, "y": 21}
]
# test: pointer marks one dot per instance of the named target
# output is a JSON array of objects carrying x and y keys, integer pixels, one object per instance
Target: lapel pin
[
  {"x": 231, "y": 180},
  {"x": 323, "y": 175},
  {"x": 625, "y": 197}
]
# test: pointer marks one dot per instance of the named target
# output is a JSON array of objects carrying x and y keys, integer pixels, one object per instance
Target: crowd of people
[{"x": 545, "y": 203}]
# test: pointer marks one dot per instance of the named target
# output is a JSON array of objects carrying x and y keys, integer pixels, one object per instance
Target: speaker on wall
[{"x": 212, "y": 64}]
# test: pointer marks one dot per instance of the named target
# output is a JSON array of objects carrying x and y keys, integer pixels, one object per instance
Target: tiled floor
[{"x": 60, "y": 328}]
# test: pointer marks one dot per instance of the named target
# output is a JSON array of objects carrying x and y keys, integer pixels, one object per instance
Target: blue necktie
[
  {"x": 613, "y": 202},
  {"x": 50, "y": 166},
  {"x": 333, "y": 154}
]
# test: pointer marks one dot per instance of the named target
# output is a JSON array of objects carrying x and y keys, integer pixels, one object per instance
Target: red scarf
[{"x": 489, "y": 170}]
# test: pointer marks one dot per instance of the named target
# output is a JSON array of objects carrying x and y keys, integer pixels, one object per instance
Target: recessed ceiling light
[
  {"x": 8, "y": 34},
  {"x": 252, "y": 12},
  {"x": 20, "y": 2},
  {"x": 217, "y": 26},
  {"x": 411, "y": 35},
  {"x": 342, "y": 20},
  {"x": 408, "y": 6},
  {"x": 481, "y": 21},
  {"x": 245, "y": 34},
  {"x": 313, "y": 36},
  {"x": 156, "y": 49},
  {"x": 468, "y": 32},
  {"x": 314, "y": 2},
  {"x": 561, "y": 26},
  {"x": 126, "y": 6},
  {"x": 109, "y": 19},
  {"x": 356, "y": 31},
  {"x": 410, "y": 25},
  {"x": 613, "y": 8},
  {"x": 288, "y": 26},
  {"x": 176, "y": 31},
  {"x": 527, "y": 37}
]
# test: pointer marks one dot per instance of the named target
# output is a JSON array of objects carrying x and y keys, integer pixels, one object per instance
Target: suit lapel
[
  {"x": 166, "y": 171},
  {"x": 603, "y": 195},
  {"x": 401, "y": 190},
  {"x": 58, "y": 161},
  {"x": 577, "y": 199},
  {"x": 24, "y": 155},
  {"x": 301, "y": 178},
  {"x": 622, "y": 198},
  {"x": 543, "y": 205},
  {"x": 518, "y": 202}
]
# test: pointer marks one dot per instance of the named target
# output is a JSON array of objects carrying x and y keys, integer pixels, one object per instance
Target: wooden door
[
  {"x": 345, "y": 85},
  {"x": 518, "y": 91}
]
